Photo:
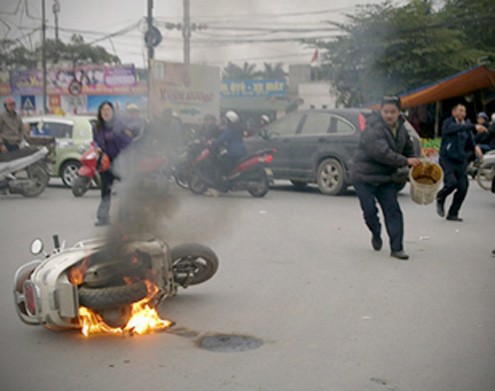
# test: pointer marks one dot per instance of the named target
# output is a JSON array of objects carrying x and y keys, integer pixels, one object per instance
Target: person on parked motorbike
[
  {"x": 232, "y": 140},
  {"x": 134, "y": 124},
  {"x": 486, "y": 140},
  {"x": 209, "y": 129},
  {"x": 11, "y": 127},
  {"x": 111, "y": 139}
]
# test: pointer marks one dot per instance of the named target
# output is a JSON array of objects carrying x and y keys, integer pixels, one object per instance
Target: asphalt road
[{"x": 297, "y": 272}]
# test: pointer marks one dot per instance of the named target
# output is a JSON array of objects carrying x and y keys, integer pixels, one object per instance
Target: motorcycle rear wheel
[
  {"x": 112, "y": 297},
  {"x": 260, "y": 188},
  {"x": 80, "y": 185},
  {"x": 193, "y": 263},
  {"x": 39, "y": 177}
]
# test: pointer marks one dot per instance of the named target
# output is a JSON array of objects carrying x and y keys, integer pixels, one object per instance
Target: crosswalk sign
[{"x": 28, "y": 103}]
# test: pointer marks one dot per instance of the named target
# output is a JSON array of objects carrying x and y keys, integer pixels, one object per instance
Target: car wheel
[
  {"x": 69, "y": 171},
  {"x": 330, "y": 177}
]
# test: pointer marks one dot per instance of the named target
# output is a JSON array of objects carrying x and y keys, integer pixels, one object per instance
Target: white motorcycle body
[{"x": 45, "y": 295}]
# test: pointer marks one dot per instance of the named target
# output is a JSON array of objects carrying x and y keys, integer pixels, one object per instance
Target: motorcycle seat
[
  {"x": 253, "y": 154},
  {"x": 20, "y": 153}
]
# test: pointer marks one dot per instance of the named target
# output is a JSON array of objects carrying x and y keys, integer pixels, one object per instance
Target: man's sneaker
[
  {"x": 376, "y": 242},
  {"x": 454, "y": 218},
  {"x": 440, "y": 209},
  {"x": 399, "y": 255}
]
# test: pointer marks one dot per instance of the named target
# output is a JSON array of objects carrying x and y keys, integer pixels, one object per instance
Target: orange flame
[
  {"x": 144, "y": 319},
  {"x": 76, "y": 274}
]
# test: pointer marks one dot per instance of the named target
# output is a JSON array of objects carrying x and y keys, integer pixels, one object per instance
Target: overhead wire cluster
[{"x": 267, "y": 33}]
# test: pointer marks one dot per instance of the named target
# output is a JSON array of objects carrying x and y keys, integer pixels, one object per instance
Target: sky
[{"x": 236, "y": 30}]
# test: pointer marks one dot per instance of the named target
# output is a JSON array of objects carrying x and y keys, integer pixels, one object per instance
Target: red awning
[{"x": 460, "y": 84}]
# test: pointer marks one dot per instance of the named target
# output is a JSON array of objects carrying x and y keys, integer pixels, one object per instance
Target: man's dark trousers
[
  {"x": 455, "y": 179},
  {"x": 386, "y": 195}
]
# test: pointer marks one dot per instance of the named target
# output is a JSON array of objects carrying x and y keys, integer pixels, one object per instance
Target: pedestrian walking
[
  {"x": 457, "y": 143},
  {"x": 11, "y": 128},
  {"x": 110, "y": 137},
  {"x": 380, "y": 164}
]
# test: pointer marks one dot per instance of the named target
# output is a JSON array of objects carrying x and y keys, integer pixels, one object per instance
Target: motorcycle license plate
[{"x": 269, "y": 172}]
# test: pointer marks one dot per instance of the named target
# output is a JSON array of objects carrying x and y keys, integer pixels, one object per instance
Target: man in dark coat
[
  {"x": 381, "y": 162},
  {"x": 457, "y": 142}
]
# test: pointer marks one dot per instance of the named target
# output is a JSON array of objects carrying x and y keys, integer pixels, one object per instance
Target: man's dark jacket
[
  {"x": 457, "y": 140},
  {"x": 379, "y": 155}
]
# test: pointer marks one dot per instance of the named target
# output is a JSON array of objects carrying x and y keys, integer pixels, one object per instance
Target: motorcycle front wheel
[
  {"x": 39, "y": 180},
  {"x": 80, "y": 185},
  {"x": 193, "y": 263},
  {"x": 484, "y": 177},
  {"x": 196, "y": 184},
  {"x": 260, "y": 187}
]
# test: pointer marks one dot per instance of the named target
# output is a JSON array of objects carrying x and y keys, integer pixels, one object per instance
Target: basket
[{"x": 425, "y": 179}]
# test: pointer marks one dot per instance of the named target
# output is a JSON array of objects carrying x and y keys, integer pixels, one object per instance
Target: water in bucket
[{"x": 425, "y": 180}]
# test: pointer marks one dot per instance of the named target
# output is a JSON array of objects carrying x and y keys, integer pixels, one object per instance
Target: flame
[
  {"x": 144, "y": 319},
  {"x": 77, "y": 273}
]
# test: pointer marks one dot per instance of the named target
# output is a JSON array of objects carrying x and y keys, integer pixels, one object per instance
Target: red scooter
[
  {"x": 249, "y": 173},
  {"x": 92, "y": 163}
]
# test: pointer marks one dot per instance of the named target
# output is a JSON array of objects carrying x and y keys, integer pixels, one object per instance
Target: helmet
[
  {"x": 265, "y": 119},
  {"x": 482, "y": 114},
  {"x": 8, "y": 100},
  {"x": 232, "y": 116},
  {"x": 132, "y": 106}
]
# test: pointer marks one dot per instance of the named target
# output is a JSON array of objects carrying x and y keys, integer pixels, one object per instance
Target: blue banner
[{"x": 253, "y": 88}]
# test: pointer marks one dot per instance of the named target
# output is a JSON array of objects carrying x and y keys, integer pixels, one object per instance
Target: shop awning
[{"x": 462, "y": 83}]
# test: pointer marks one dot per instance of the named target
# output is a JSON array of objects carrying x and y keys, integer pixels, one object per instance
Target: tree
[
  {"x": 77, "y": 52},
  {"x": 235, "y": 72},
  {"x": 474, "y": 18},
  {"x": 273, "y": 71},
  {"x": 389, "y": 50}
]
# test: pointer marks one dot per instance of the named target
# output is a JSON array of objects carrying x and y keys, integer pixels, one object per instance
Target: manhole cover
[{"x": 229, "y": 343}]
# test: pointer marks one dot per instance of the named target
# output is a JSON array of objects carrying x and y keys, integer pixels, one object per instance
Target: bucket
[{"x": 425, "y": 179}]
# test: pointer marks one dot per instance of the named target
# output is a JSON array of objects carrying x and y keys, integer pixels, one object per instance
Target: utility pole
[
  {"x": 186, "y": 33},
  {"x": 56, "y": 10},
  {"x": 43, "y": 52},
  {"x": 151, "y": 50}
]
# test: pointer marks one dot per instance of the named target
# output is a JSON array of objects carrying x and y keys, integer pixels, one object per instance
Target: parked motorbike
[
  {"x": 106, "y": 277},
  {"x": 24, "y": 171},
  {"x": 249, "y": 173},
  {"x": 486, "y": 170},
  {"x": 88, "y": 173}
]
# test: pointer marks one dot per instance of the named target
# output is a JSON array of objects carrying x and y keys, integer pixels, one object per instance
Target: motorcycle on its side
[
  {"x": 24, "y": 171},
  {"x": 251, "y": 173},
  {"x": 107, "y": 277}
]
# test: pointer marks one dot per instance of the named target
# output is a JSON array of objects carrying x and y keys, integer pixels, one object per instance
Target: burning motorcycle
[
  {"x": 24, "y": 171},
  {"x": 249, "y": 173},
  {"x": 106, "y": 286}
]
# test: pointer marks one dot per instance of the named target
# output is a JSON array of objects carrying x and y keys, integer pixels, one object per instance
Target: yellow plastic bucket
[{"x": 425, "y": 181}]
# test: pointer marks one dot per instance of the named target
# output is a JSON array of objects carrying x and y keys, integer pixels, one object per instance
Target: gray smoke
[{"x": 148, "y": 202}]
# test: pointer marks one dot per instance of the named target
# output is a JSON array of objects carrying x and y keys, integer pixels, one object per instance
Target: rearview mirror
[{"x": 36, "y": 246}]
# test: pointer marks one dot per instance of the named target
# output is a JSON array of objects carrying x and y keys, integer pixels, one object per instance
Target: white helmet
[
  {"x": 265, "y": 119},
  {"x": 232, "y": 116}
]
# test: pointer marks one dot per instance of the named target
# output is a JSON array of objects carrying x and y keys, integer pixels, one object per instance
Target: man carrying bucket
[
  {"x": 384, "y": 150},
  {"x": 457, "y": 141}
]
